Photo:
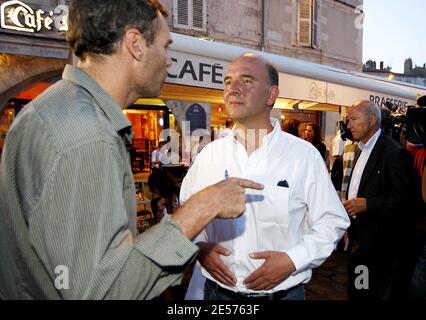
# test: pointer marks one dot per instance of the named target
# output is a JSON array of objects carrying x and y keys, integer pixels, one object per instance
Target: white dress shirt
[
  {"x": 305, "y": 219},
  {"x": 224, "y": 133},
  {"x": 360, "y": 164}
]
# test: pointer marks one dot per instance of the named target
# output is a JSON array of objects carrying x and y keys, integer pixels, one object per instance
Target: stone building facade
[{"x": 322, "y": 31}]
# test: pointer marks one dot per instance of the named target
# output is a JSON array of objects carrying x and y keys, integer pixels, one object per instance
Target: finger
[
  {"x": 249, "y": 184},
  {"x": 222, "y": 250},
  {"x": 260, "y": 255},
  {"x": 253, "y": 277},
  {"x": 228, "y": 274},
  {"x": 221, "y": 278},
  {"x": 258, "y": 284},
  {"x": 225, "y": 277},
  {"x": 221, "y": 268}
]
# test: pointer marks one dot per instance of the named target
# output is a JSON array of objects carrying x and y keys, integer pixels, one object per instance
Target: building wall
[{"x": 240, "y": 23}]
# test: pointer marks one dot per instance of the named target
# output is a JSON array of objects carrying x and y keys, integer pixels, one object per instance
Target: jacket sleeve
[{"x": 81, "y": 222}]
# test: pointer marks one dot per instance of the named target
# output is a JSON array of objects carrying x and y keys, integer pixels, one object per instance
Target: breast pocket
[{"x": 273, "y": 208}]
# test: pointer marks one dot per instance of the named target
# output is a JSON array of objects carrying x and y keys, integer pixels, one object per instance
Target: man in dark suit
[{"x": 381, "y": 199}]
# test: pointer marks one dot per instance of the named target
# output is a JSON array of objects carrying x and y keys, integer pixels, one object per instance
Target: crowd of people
[{"x": 256, "y": 212}]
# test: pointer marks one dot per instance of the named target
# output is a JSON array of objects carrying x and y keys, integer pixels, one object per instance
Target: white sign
[
  {"x": 300, "y": 88},
  {"x": 192, "y": 70},
  {"x": 16, "y": 15},
  {"x": 346, "y": 96}
]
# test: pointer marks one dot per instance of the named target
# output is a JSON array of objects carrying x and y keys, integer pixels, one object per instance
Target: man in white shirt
[
  {"x": 158, "y": 156},
  {"x": 227, "y": 130},
  {"x": 287, "y": 229},
  {"x": 382, "y": 196}
]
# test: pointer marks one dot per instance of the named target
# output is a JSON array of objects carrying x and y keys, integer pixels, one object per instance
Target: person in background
[
  {"x": 313, "y": 135},
  {"x": 229, "y": 123},
  {"x": 67, "y": 192},
  {"x": 157, "y": 156},
  {"x": 165, "y": 192},
  {"x": 291, "y": 126},
  {"x": 289, "y": 228},
  {"x": 418, "y": 152},
  {"x": 337, "y": 147},
  {"x": 383, "y": 196}
]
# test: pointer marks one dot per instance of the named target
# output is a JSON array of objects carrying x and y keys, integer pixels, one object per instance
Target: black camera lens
[{"x": 416, "y": 126}]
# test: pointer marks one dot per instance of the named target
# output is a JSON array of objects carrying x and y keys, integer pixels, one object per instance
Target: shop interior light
[
  {"x": 150, "y": 102},
  {"x": 282, "y": 103}
]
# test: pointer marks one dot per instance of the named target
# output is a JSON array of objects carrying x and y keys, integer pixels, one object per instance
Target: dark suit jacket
[{"x": 389, "y": 184}]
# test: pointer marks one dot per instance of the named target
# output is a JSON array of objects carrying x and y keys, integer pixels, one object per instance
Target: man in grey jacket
[{"x": 67, "y": 195}]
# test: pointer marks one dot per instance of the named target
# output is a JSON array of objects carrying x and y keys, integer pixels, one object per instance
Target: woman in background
[{"x": 313, "y": 135}]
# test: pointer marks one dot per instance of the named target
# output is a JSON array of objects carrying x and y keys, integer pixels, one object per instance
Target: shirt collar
[
  {"x": 371, "y": 142},
  {"x": 266, "y": 139},
  {"x": 111, "y": 108}
]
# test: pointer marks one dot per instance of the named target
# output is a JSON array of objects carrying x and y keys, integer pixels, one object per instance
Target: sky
[{"x": 394, "y": 30}]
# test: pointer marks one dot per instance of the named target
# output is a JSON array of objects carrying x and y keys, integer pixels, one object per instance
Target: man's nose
[
  {"x": 168, "y": 61},
  {"x": 234, "y": 89}
]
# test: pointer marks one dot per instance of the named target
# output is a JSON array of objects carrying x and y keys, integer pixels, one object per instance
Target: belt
[{"x": 278, "y": 295}]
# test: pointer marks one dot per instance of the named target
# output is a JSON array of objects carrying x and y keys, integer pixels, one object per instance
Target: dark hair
[
  {"x": 317, "y": 133},
  {"x": 291, "y": 126},
  {"x": 272, "y": 74},
  {"x": 228, "y": 123},
  {"x": 164, "y": 183},
  {"x": 97, "y": 26}
]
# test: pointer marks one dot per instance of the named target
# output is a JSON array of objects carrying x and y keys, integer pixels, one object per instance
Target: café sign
[{"x": 18, "y": 16}]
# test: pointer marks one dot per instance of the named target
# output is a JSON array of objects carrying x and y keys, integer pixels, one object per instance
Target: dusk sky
[{"x": 393, "y": 31}]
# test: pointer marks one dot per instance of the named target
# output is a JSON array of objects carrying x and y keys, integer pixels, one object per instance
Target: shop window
[
  {"x": 147, "y": 122},
  {"x": 307, "y": 32},
  {"x": 190, "y": 14}
]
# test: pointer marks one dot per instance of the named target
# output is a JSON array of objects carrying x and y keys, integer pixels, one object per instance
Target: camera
[
  {"x": 410, "y": 119},
  {"x": 393, "y": 120},
  {"x": 416, "y": 123}
]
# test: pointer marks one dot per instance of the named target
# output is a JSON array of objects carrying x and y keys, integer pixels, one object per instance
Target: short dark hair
[
  {"x": 228, "y": 123},
  {"x": 272, "y": 74},
  {"x": 97, "y": 26},
  {"x": 291, "y": 126}
]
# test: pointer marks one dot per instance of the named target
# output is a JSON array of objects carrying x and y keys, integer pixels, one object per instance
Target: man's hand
[
  {"x": 276, "y": 268},
  {"x": 355, "y": 206},
  {"x": 228, "y": 196},
  {"x": 209, "y": 258},
  {"x": 225, "y": 199}
]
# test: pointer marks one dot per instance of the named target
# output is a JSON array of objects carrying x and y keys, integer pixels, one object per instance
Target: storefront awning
[{"x": 199, "y": 66}]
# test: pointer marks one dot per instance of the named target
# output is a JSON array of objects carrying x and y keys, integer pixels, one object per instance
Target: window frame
[{"x": 190, "y": 12}]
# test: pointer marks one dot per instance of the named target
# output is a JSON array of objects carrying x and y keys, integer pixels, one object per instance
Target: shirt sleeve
[
  {"x": 81, "y": 222},
  {"x": 326, "y": 221}
]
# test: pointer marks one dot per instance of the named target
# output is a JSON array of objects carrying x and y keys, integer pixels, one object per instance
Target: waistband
[{"x": 278, "y": 295}]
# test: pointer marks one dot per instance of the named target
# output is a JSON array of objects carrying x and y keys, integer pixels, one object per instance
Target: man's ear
[
  {"x": 272, "y": 95},
  {"x": 134, "y": 42}
]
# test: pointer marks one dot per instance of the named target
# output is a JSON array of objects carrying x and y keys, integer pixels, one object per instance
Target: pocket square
[{"x": 283, "y": 183}]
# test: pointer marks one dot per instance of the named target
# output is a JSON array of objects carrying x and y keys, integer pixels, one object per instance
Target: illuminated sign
[{"x": 18, "y": 16}]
